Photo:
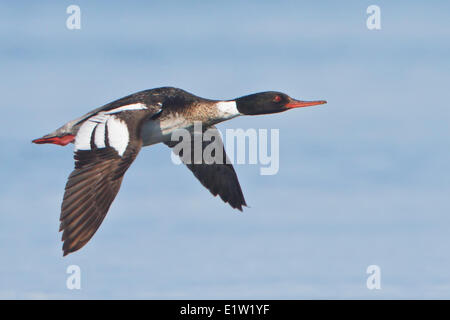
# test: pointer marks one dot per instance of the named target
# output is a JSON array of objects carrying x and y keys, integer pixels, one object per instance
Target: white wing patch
[
  {"x": 99, "y": 138},
  {"x": 83, "y": 137},
  {"x": 118, "y": 135},
  {"x": 134, "y": 106}
]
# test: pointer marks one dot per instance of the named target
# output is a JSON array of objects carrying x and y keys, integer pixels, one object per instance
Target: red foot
[{"x": 62, "y": 141}]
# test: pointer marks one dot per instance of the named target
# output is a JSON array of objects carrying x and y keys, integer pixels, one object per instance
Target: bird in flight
[{"x": 108, "y": 139}]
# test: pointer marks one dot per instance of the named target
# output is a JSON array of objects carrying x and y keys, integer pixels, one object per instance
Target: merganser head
[{"x": 270, "y": 102}]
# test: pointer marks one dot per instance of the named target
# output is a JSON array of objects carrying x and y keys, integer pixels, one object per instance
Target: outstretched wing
[
  {"x": 105, "y": 146},
  {"x": 217, "y": 176},
  {"x": 90, "y": 190}
]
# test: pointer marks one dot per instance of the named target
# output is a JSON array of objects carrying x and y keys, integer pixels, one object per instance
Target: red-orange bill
[{"x": 300, "y": 104}]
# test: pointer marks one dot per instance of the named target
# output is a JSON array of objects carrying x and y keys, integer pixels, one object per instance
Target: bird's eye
[{"x": 277, "y": 99}]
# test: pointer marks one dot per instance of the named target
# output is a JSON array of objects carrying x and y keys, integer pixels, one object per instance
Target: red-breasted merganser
[{"x": 108, "y": 139}]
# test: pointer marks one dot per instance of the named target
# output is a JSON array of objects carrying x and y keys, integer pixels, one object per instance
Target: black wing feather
[{"x": 219, "y": 178}]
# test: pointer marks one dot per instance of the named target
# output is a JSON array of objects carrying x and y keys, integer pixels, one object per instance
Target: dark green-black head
[{"x": 270, "y": 102}]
